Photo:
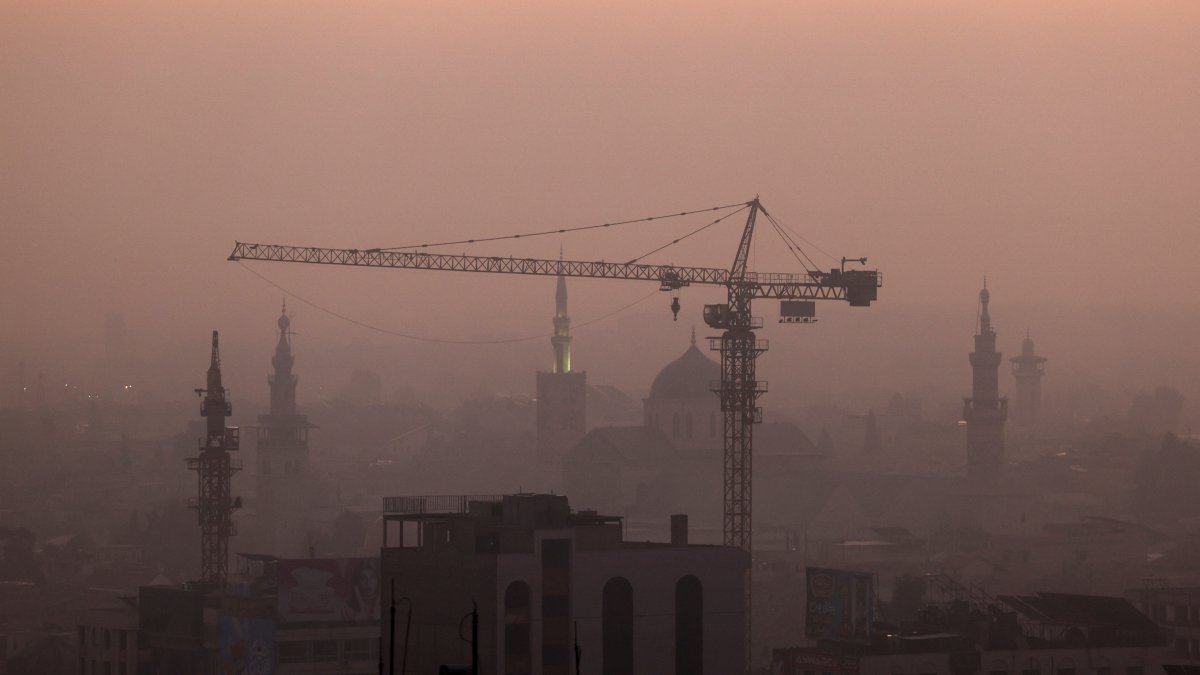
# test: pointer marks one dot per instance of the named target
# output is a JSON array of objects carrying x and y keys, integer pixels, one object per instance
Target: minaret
[
  {"x": 561, "y": 340},
  {"x": 282, "y": 479},
  {"x": 985, "y": 411},
  {"x": 562, "y": 392},
  {"x": 1028, "y": 369},
  {"x": 283, "y": 382}
]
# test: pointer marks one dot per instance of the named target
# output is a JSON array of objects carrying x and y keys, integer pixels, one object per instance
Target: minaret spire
[
  {"x": 282, "y": 381},
  {"x": 561, "y": 341},
  {"x": 985, "y": 410}
]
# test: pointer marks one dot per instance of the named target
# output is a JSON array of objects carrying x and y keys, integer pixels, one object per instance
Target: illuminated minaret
[
  {"x": 1028, "y": 369},
  {"x": 282, "y": 479},
  {"x": 985, "y": 410},
  {"x": 562, "y": 392},
  {"x": 561, "y": 340}
]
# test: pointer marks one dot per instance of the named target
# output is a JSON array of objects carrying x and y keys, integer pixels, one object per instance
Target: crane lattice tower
[{"x": 214, "y": 470}]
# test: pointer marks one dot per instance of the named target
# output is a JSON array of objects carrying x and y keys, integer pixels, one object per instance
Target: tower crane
[
  {"x": 738, "y": 388},
  {"x": 738, "y": 346}
]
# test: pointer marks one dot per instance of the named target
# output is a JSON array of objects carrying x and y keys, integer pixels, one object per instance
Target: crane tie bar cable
[
  {"x": 422, "y": 338},
  {"x": 695, "y": 231},
  {"x": 562, "y": 230}
]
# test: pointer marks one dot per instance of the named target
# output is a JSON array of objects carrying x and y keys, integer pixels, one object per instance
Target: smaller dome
[
  {"x": 284, "y": 322},
  {"x": 689, "y": 376}
]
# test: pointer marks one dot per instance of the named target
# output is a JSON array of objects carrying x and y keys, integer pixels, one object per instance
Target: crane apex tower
[
  {"x": 214, "y": 469},
  {"x": 562, "y": 392},
  {"x": 985, "y": 410}
]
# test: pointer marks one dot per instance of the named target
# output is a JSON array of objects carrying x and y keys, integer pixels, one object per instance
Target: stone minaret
[
  {"x": 562, "y": 392},
  {"x": 283, "y": 482},
  {"x": 985, "y": 410},
  {"x": 1028, "y": 369}
]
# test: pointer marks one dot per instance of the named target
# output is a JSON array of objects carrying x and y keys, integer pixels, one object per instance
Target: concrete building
[
  {"x": 1028, "y": 369},
  {"x": 985, "y": 410},
  {"x": 283, "y": 482},
  {"x": 562, "y": 393},
  {"x": 297, "y": 616},
  {"x": 974, "y": 634},
  {"x": 1177, "y": 609},
  {"x": 547, "y": 580}
]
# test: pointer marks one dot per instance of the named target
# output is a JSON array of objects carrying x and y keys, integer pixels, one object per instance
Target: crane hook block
[{"x": 675, "y": 308}]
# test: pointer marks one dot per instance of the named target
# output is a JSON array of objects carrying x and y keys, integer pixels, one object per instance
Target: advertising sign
[
  {"x": 841, "y": 605},
  {"x": 247, "y": 646},
  {"x": 797, "y": 661},
  {"x": 328, "y": 590}
]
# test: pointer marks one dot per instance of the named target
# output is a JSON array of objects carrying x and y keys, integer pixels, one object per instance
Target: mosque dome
[{"x": 689, "y": 376}]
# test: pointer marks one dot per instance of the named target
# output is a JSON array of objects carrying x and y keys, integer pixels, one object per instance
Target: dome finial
[{"x": 693, "y": 335}]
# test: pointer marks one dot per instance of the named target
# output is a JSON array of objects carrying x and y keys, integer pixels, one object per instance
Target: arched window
[
  {"x": 617, "y": 627},
  {"x": 689, "y": 626},
  {"x": 689, "y": 425},
  {"x": 675, "y": 425},
  {"x": 517, "y": 614}
]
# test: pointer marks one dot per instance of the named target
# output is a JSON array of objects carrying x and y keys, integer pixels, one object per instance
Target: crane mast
[
  {"x": 738, "y": 345},
  {"x": 214, "y": 468}
]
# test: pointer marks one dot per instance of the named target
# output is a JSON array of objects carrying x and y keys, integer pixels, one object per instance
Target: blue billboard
[
  {"x": 840, "y": 605},
  {"x": 247, "y": 646}
]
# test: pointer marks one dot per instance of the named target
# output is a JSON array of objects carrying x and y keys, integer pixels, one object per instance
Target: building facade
[{"x": 546, "y": 580}]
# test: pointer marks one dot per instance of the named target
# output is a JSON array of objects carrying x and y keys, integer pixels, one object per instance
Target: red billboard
[{"x": 325, "y": 590}]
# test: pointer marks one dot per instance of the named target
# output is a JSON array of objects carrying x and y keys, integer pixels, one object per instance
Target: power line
[
  {"x": 422, "y": 338},
  {"x": 563, "y": 230}
]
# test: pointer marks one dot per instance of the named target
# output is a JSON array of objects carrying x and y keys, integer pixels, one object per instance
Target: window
[
  {"x": 357, "y": 650},
  {"x": 324, "y": 651},
  {"x": 689, "y": 626},
  {"x": 689, "y": 425},
  {"x": 293, "y": 652},
  {"x": 517, "y": 616},
  {"x": 617, "y": 627},
  {"x": 675, "y": 425}
]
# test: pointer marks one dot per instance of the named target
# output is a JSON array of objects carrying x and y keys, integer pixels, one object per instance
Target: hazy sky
[{"x": 1053, "y": 146}]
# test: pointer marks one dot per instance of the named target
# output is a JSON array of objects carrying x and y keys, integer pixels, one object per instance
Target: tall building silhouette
[
  {"x": 562, "y": 392},
  {"x": 1028, "y": 369},
  {"x": 282, "y": 478},
  {"x": 985, "y": 410}
]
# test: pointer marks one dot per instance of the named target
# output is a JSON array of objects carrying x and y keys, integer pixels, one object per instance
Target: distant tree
[
  {"x": 364, "y": 388},
  {"x": 825, "y": 442},
  {"x": 1167, "y": 480},
  {"x": 871, "y": 435},
  {"x": 1156, "y": 413}
]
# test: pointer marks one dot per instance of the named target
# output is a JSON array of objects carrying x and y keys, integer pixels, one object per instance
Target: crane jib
[{"x": 856, "y": 286}]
